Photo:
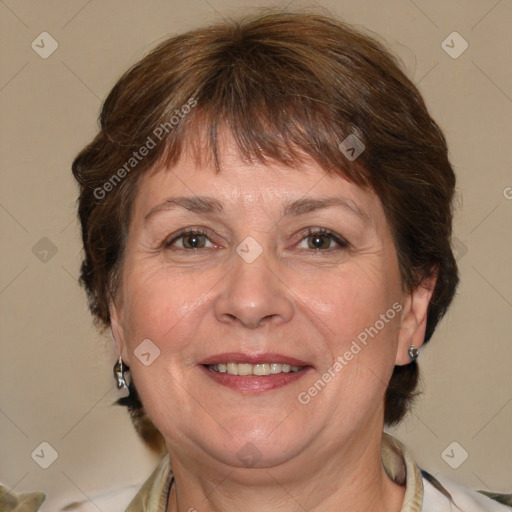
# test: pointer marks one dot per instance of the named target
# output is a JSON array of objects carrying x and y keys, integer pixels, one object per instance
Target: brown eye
[
  {"x": 321, "y": 240},
  {"x": 191, "y": 239}
]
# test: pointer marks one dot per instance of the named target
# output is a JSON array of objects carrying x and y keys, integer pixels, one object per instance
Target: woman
[{"x": 266, "y": 216}]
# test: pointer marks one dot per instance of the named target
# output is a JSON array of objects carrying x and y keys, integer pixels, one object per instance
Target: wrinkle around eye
[{"x": 158, "y": 235}]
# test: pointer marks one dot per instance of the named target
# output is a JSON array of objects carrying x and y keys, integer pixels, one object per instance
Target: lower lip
[{"x": 254, "y": 384}]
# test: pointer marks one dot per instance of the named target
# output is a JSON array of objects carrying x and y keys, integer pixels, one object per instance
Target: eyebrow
[{"x": 209, "y": 205}]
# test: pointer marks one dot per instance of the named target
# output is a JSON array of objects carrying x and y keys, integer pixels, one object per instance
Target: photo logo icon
[
  {"x": 44, "y": 250},
  {"x": 459, "y": 248},
  {"x": 249, "y": 455},
  {"x": 249, "y": 249},
  {"x": 454, "y": 455},
  {"x": 146, "y": 352},
  {"x": 454, "y": 45},
  {"x": 45, "y": 455},
  {"x": 352, "y": 147},
  {"x": 44, "y": 45}
]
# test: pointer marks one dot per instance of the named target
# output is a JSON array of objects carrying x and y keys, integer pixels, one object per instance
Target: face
[{"x": 287, "y": 277}]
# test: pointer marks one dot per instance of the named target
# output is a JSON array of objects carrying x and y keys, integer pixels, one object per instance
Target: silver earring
[
  {"x": 413, "y": 353},
  {"x": 119, "y": 370}
]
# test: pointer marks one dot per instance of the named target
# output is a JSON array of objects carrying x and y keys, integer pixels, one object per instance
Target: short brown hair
[{"x": 285, "y": 85}]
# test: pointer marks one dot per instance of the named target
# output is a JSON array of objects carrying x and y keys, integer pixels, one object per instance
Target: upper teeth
[{"x": 253, "y": 369}]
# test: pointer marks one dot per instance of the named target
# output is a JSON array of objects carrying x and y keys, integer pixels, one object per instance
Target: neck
[{"x": 358, "y": 483}]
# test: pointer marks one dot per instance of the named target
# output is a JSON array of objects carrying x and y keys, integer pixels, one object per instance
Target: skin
[{"x": 293, "y": 299}]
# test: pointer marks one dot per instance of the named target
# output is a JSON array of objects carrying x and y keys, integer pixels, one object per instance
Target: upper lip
[{"x": 240, "y": 357}]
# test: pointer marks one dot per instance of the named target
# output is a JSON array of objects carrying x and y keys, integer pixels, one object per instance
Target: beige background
[{"x": 56, "y": 380}]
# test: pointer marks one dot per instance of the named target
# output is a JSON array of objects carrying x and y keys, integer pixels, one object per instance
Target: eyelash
[{"x": 342, "y": 243}]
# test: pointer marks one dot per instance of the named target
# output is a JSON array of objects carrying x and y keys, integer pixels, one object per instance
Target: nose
[{"x": 253, "y": 295}]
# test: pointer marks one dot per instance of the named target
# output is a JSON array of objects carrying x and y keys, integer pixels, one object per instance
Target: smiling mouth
[{"x": 256, "y": 370}]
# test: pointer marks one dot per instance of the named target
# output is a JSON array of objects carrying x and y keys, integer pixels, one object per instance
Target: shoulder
[
  {"x": 115, "y": 499},
  {"x": 152, "y": 496},
  {"x": 425, "y": 493},
  {"x": 437, "y": 493}
]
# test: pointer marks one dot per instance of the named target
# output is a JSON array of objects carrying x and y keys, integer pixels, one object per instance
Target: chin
[{"x": 257, "y": 449}]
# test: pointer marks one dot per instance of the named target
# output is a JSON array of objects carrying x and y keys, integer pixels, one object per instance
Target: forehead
[{"x": 241, "y": 185}]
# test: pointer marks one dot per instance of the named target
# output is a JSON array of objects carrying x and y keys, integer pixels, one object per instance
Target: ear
[
  {"x": 414, "y": 319},
  {"x": 119, "y": 333}
]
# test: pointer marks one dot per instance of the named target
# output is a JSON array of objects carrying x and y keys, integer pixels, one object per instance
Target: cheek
[
  {"x": 361, "y": 306},
  {"x": 159, "y": 304},
  {"x": 353, "y": 297}
]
